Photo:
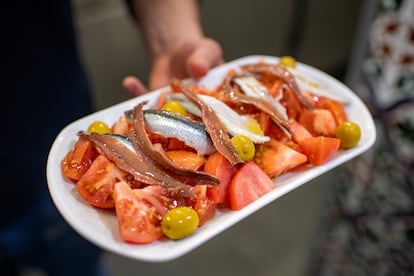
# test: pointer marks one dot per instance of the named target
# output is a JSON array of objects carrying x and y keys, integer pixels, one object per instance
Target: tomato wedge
[
  {"x": 122, "y": 126},
  {"x": 79, "y": 159},
  {"x": 299, "y": 131},
  {"x": 97, "y": 184},
  {"x": 293, "y": 106},
  {"x": 137, "y": 222},
  {"x": 204, "y": 206},
  {"x": 218, "y": 166},
  {"x": 275, "y": 158},
  {"x": 248, "y": 184},
  {"x": 320, "y": 122},
  {"x": 335, "y": 107},
  {"x": 319, "y": 149}
]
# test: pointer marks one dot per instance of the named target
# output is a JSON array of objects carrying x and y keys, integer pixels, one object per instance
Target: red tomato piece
[
  {"x": 320, "y": 149},
  {"x": 299, "y": 131},
  {"x": 159, "y": 198},
  {"x": 217, "y": 165},
  {"x": 335, "y": 107},
  {"x": 204, "y": 206},
  {"x": 79, "y": 159},
  {"x": 264, "y": 122},
  {"x": 293, "y": 106},
  {"x": 275, "y": 158},
  {"x": 275, "y": 132},
  {"x": 276, "y": 89},
  {"x": 137, "y": 222},
  {"x": 320, "y": 122},
  {"x": 97, "y": 184},
  {"x": 122, "y": 126},
  {"x": 175, "y": 144},
  {"x": 248, "y": 184}
]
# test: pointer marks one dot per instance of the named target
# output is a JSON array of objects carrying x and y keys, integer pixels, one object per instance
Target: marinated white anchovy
[{"x": 235, "y": 123}]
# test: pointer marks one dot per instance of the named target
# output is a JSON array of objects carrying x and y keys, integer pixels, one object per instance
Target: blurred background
[{"x": 276, "y": 240}]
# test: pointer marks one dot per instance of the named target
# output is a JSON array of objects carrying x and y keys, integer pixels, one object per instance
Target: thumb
[{"x": 207, "y": 54}]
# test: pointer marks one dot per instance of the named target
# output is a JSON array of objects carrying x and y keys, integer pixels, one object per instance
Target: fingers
[
  {"x": 133, "y": 86},
  {"x": 193, "y": 61},
  {"x": 207, "y": 54},
  {"x": 160, "y": 73}
]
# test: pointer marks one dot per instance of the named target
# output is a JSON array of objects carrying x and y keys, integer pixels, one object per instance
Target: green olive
[
  {"x": 99, "y": 127},
  {"x": 288, "y": 61},
  {"x": 179, "y": 222},
  {"x": 244, "y": 147},
  {"x": 349, "y": 133}
]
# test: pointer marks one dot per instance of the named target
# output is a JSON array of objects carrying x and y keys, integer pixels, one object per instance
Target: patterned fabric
[{"x": 369, "y": 225}]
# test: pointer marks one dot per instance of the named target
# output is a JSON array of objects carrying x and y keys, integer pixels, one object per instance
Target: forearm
[{"x": 165, "y": 24}]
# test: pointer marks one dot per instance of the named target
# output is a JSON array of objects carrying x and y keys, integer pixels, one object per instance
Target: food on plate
[
  {"x": 248, "y": 184},
  {"x": 288, "y": 61},
  {"x": 164, "y": 169},
  {"x": 319, "y": 149},
  {"x": 349, "y": 133},
  {"x": 244, "y": 147},
  {"x": 179, "y": 222},
  {"x": 99, "y": 127}
]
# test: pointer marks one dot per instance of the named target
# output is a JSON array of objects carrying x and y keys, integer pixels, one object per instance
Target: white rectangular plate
[{"x": 101, "y": 227}]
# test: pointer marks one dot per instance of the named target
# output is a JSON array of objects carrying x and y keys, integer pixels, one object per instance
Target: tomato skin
[
  {"x": 248, "y": 184},
  {"x": 97, "y": 185},
  {"x": 137, "y": 223},
  {"x": 218, "y": 166},
  {"x": 320, "y": 149},
  {"x": 79, "y": 159}
]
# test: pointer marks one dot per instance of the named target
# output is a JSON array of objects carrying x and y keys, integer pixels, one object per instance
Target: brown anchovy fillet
[
  {"x": 214, "y": 127},
  {"x": 282, "y": 73},
  {"x": 139, "y": 165},
  {"x": 261, "y": 104},
  {"x": 142, "y": 143}
]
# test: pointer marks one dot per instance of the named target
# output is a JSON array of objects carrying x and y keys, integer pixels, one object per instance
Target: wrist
[{"x": 177, "y": 24}]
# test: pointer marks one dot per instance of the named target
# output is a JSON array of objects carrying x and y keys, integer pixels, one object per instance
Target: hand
[{"x": 192, "y": 59}]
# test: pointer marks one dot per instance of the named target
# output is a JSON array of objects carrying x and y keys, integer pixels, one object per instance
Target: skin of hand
[{"x": 177, "y": 47}]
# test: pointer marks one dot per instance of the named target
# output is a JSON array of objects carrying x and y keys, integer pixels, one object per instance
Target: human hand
[{"x": 192, "y": 59}]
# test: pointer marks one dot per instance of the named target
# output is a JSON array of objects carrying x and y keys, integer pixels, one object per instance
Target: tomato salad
[{"x": 164, "y": 170}]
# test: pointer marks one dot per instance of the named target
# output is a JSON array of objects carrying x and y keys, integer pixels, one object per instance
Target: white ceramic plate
[{"x": 101, "y": 227}]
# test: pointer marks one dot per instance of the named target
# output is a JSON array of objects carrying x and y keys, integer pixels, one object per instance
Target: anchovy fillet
[{"x": 191, "y": 132}]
